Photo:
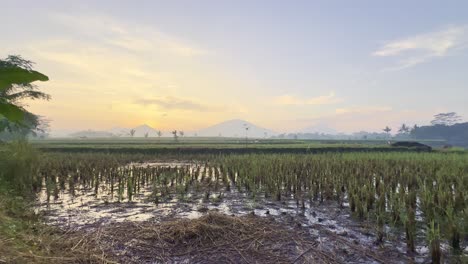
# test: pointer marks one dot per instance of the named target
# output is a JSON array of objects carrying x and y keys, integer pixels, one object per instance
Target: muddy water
[{"x": 326, "y": 222}]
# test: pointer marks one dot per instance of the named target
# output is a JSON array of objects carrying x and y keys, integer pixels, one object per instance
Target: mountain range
[
  {"x": 230, "y": 128},
  {"x": 140, "y": 131},
  {"x": 235, "y": 128}
]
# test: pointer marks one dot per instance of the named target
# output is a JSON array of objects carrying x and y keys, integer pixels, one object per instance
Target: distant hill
[
  {"x": 91, "y": 134},
  {"x": 235, "y": 128},
  {"x": 231, "y": 128},
  {"x": 140, "y": 131},
  {"x": 120, "y": 131}
]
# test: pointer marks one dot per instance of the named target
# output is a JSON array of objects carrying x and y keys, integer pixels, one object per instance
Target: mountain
[
  {"x": 140, "y": 131},
  {"x": 235, "y": 128},
  {"x": 119, "y": 131},
  {"x": 91, "y": 134}
]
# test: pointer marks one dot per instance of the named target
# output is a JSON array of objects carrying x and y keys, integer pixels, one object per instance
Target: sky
[{"x": 285, "y": 65}]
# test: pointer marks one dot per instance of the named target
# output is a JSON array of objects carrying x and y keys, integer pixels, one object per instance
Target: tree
[
  {"x": 387, "y": 130},
  {"x": 174, "y": 133},
  {"x": 446, "y": 119},
  {"x": 132, "y": 132},
  {"x": 413, "y": 130},
  {"x": 181, "y": 133},
  {"x": 456, "y": 134},
  {"x": 146, "y": 134},
  {"x": 404, "y": 129},
  {"x": 16, "y": 78},
  {"x": 159, "y": 133}
]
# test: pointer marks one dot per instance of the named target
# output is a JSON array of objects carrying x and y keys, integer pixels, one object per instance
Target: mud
[{"x": 331, "y": 227}]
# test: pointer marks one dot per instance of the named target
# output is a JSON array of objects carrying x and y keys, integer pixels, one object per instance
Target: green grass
[
  {"x": 167, "y": 146},
  {"x": 371, "y": 181},
  {"x": 128, "y": 143},
  {"x": 305, "y": 177},
  {"x": 24, "y": 238}
]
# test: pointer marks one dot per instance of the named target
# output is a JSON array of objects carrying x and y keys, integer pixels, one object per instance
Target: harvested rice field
[{"x": 373, "y": 207}]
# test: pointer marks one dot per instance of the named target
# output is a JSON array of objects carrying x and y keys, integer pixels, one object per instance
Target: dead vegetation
[
  {"x": 219, "y": 238},
  {"x": 25, "y": 239},
  {"x": 213, "y": 238}
]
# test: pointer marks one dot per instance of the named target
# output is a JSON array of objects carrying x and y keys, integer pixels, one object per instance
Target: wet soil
[{"x": 316, "y": 232}]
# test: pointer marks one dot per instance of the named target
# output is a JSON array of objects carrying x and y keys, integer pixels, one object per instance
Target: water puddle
[{"x": 327, "y": 222}]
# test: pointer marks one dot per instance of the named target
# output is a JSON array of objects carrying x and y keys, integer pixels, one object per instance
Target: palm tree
[
  {"x": 181, "y": 133},
  {"x": 413, "y": 130},
  {"x": 175, "y": 134},
  {"x": 159, "y": 133},
  {"x": 387, "y": 130},
  {"x": 404, "y": 129},
  {"x": 16, "y": 77},
  {"x": 132, "y": 132}
]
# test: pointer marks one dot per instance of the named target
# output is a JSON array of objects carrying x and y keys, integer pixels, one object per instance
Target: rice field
[{"x": 418, "y": 199}]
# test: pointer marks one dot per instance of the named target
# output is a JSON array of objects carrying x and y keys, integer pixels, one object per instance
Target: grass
[
  {"x": 208, "y": 142},
  {"x": 382, "y": 187},
  {"x": 24, "y": 238},
  {"x": 211, "y": 146}
]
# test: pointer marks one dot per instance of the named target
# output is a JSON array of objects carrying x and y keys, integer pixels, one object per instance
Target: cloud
[
  {"x": 319, "y": 100},
  {"x": 131, "y": 37},
  {"x": 424, "y": 47},
  {"x": 362, "y": 109},
  {"x": 174, "y": 103}
]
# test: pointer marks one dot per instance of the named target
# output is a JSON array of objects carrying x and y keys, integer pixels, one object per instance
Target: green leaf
[
  {"x": 11, "y": 112},
  {"x": 3, "y": 124},
  {"x": 17, "y": 75}
]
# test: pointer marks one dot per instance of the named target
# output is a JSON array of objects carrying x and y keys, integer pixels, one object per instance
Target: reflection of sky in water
[{"x": 85, "y": 209}]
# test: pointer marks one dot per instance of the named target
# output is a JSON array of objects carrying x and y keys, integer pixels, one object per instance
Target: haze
[{"x": 286, "y": 66}]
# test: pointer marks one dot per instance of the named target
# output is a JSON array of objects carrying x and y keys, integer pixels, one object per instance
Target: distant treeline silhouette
[{"x": 456, "y": 134}]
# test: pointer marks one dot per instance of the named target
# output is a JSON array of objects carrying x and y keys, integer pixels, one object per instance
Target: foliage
[
  {"x": 174, "y": 133},
  {"x": 16, "y": 77},
  {"x": 24, "y": 238},
  {"x": 456, "y": 134},
  {"x": 18, "y": 162},
  {"x": 388, "y": 189},
  {"x": 387, "y": 130},
  {"x": 446, "y": 119},
  {"x": 404, "y": 129}
]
